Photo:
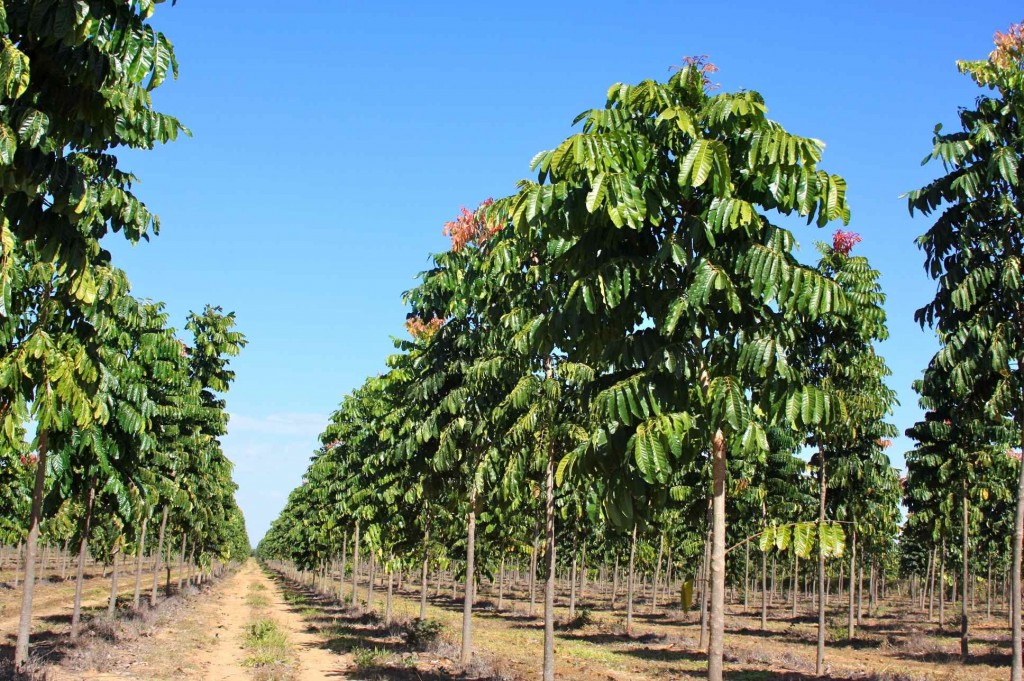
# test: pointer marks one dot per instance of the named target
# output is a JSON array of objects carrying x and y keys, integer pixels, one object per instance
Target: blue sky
[{"x": 333, "y": 139}]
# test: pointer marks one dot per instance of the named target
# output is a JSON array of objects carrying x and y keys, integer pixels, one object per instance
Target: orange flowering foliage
[
  {"x": 29, "y": 460},
  {"x": 885, "y": 443},
  {"x": 1013, "y": 454},
  {"x": 1009, "y": 46},
  {"x": 469, "y": 227},
  {"x": 420, "y": 329},
  {"x": 843, "y": 242}
]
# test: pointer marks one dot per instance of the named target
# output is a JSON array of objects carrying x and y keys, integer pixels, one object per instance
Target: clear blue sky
[{"x": 333, "y": 139}]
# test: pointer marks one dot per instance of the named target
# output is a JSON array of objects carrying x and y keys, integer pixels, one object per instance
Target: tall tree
[{"x": 975, "y": 250}]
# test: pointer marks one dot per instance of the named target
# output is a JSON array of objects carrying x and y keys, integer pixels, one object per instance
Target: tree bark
[
  {"x": 355, "y": 565},
  {"x": 533, "y": 568},
  {"x": 853, "y": 590},
  {"x": 615, "y": 581},
  {"x": 423, "y": 575},
  {"x": 369, "y": 584},
  {"x": 572, "y": 588},
  {"x": 76, "y": 614},
  {"x": 112, "y": 603},
  {"x": 716, "y": 638},
  {"x": 764, "y": 590},
  {"x": 629, "y": 584},
  {"x": 158, "y": 563},
  {"x": 29, "y": 582},
  {"x": 819, "y": 662},
  {"x": 467, "y": 603},
  {"x": 963, "y": 601},
  {"x": 181, "y": 559},
  {"x": 140, "y": 552},
  {"x": 942, "y": 586},
  {"x": 1018, "y": 540},
  {"x": 549, "y": 523},
  {"x": 388, "y": 603}
]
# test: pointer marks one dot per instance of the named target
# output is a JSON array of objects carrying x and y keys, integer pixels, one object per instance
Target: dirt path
[{"x": 232, "y": 613}]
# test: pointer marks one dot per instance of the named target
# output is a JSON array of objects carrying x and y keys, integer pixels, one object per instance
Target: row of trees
[
  {"x": 611, "y": 353},
  {"x": 109, "y": 424}
]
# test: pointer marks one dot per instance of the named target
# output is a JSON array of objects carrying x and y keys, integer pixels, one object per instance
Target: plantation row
[
  {"x": 110, "y": 423},
  {"x": 616, "y": 370}
]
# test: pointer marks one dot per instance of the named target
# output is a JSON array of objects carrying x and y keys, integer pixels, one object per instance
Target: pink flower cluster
[
  {"x": 843, "y": 242},
  {"x": 29, "y": 460},
  {"x": 418, "y": 328},
  {"x": 468, "y": 227},
  {"x": 885, "y": 443},
  {"x": 1009, "y": 46}
]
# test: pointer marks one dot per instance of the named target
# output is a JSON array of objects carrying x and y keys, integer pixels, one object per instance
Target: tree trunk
[
  {"x": 158, "y": 563},
  {"x": 467, "y": 605},
  {"x": 387, "y": 606},
  {"x": 746, "y": 575},
  {"x": 963, "y": 601},
  {"x": 501, "y": 584},
  {"x": 657, "y": 574},
  {"x": 181, "y": 559},
  {"x": 140, "y": 552},
  {"x": 629, "y": 584},
  {"x": 369, "y": 584},
  {"x": 76, "y": 614},
  {"x": 1018, "y": 540},
  {"x": 764, "y": 590},
  {"x": 853, "y": 573},
  {"x": 533, "y": 568},
  {"x": 112, "y": 604},
  {"x": 942, "y": 586},
  {"x": 933, "y": 559},
  {"x": 583, "y": 574},
  {"x": 796, "y": 580},
  {"x": 549, "y": 522},
  {"x": 572, "y": 587},
  {"x": 423, "y": 575},
  {"x": 716, "y": 638},
  {"x": 860, "y": 590},
  {"x": 615, "y": 581},
  {"x": 29, "y": 582},
  {"x": 988, "y": 590},
  {"x": 355, "y": 565},
  {"x": 819, "y": 662}
]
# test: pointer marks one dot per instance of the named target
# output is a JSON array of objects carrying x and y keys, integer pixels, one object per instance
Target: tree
[
  {"x": 975, "y": 250},
  {"x": 654, "y": 211}
]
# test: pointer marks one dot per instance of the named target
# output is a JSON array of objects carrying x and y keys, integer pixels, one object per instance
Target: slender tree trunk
[
  {"x": 819, "y": 662},
  {"x": 657, "y": 574},
  {"x": 158, "y": 563},
  {"x": 388, "y": 603},
  {"x": 29, "y": 582},
  {"x": 746, "y": 575},
  {"x": 963, "y": 601},
  {"x": 716, "y": 638},
  {"x": 549, "y": 522},
  {"x": 423, "y": 575},
  {"x": 705, "y": 579},
  {"x": 467, "y": 604},
  {"x": 572, "y": 587},
  {"x": 853, "y": 573},
  {"x": 796, "y": 580},
  {"x": 112, "y": 604},
  {"x": 860, "y": 590},
  {"x": 76, "y": 614},
  {"x": 181, "y": 559},
  {"x": 583, "y": 574},
  {"x": 988, "y": 590},
  {"x": 533, "y": 568},
  {"x": 369, "y": 585},
  {"x": 764, "y": 590},
  {"x": 140, "y": 552},
  {"x": 630, "y": 580},
  {"x": 933, "y": 559},
  {"x": 1018, "y": 540},
  {"x": 355, "y": 565},
  {"x": 771, "y": 594},
  {"x": 942, "y": 586},
  {"x": 615, "y": 581}
]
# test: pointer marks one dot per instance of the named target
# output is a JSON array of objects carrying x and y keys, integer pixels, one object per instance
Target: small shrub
[
  {"x": 420, "y": 635},
  {"x": 256, "y": 600},
  {"x": 584, "y": 617},
  {"x": 367, "y": 658}
]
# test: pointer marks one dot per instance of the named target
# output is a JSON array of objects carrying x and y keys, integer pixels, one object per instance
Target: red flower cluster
[
  {"x": 704, "y": 67},
  {"x": 843, "y": 242},
  {"x": 1009, "y": 46},
  {"x": 29, "y": 460},
  {"x": 468, "y": 227},
  {"x": 418, "y": 328}
]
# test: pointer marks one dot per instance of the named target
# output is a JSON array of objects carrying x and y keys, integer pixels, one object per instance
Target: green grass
[{"x": 267, "y": 644}]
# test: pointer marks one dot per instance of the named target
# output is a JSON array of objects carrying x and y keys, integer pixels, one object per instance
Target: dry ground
[{"x": 201, "y": 638}]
